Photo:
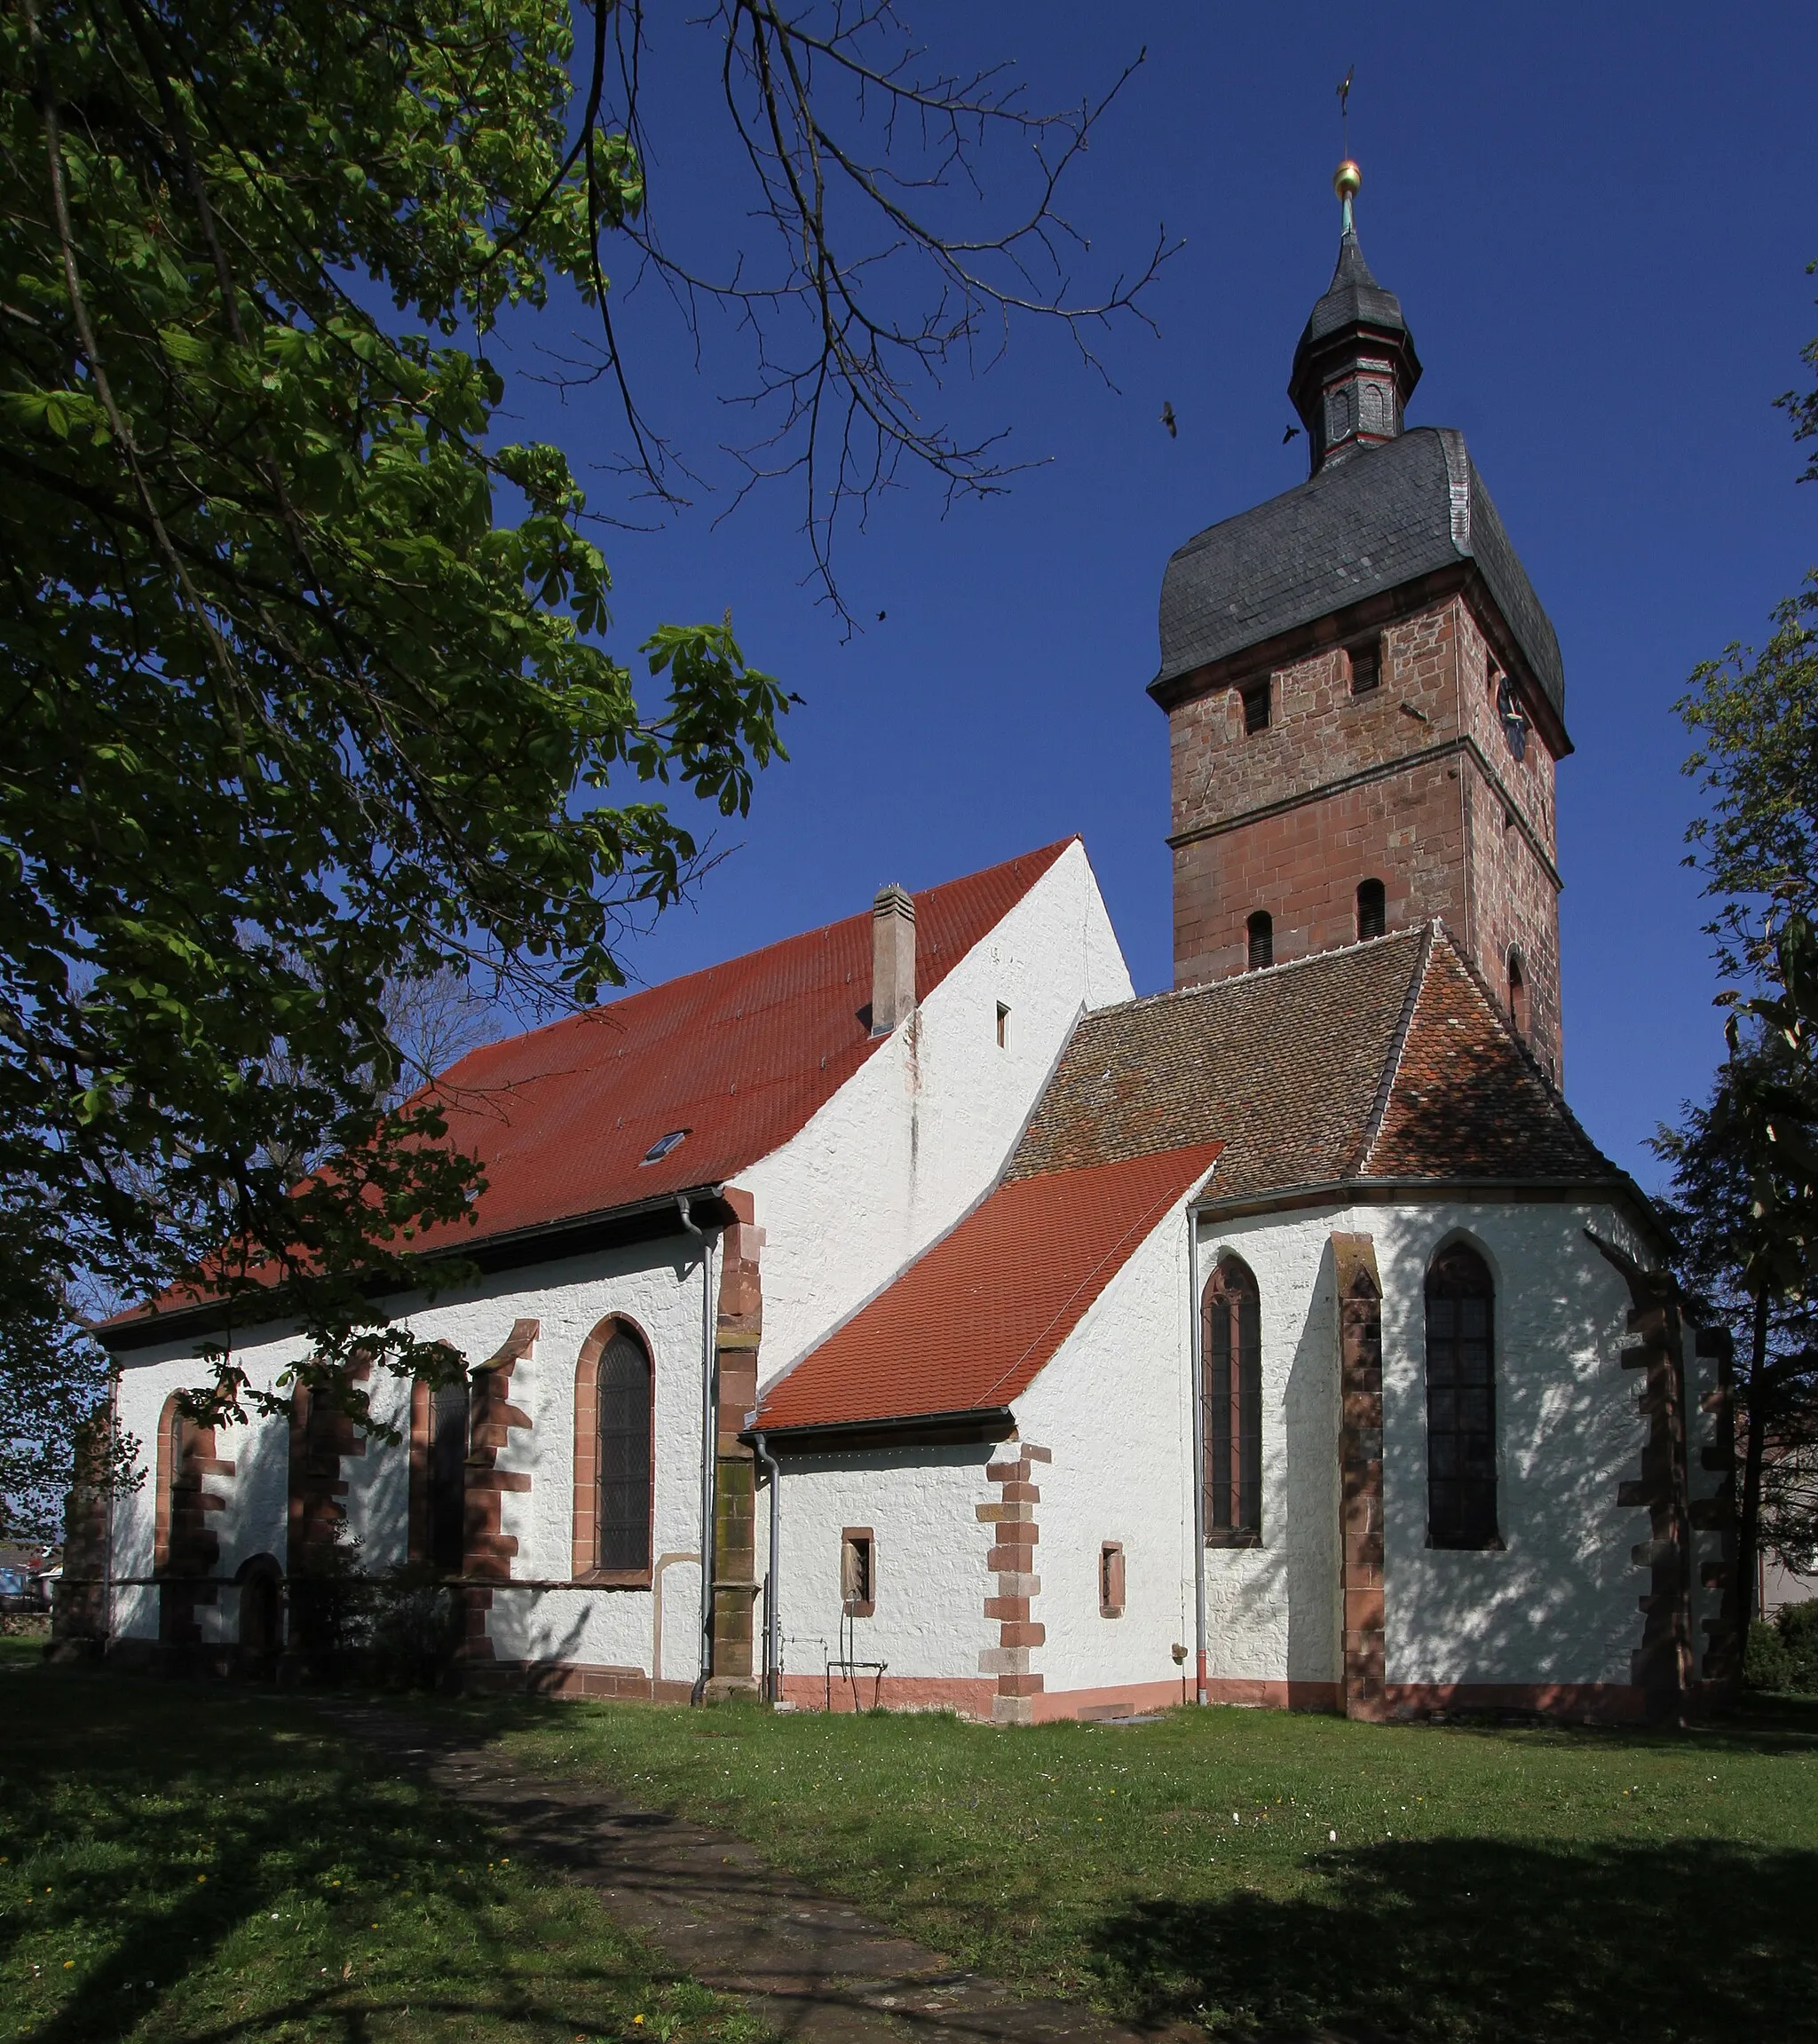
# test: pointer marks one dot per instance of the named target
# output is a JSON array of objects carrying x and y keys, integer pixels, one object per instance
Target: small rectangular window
[
  {"x": 1111, "y": 1579},
  {"x": 1256, "y": 708},
  {"x": 1003, "y": 1027},
  {"x": 857, "y": 1572},
  {"x": 1366, "y": 666}
]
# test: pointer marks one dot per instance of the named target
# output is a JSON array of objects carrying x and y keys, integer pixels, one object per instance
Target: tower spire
[{"x": 1355, "y": 366}]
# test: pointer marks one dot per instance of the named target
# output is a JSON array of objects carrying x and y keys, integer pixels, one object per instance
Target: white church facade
[{"x": 906, "y": 1314}]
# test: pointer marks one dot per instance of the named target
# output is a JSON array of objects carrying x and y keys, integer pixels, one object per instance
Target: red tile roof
[
  {"x": 1467, "y": 1101},
  {"x": 740, "y": 1055},
  {"x": 971, "y": 1323}
]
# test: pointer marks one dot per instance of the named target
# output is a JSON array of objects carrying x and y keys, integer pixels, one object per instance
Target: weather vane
[{"x": 1348, "y": 177}]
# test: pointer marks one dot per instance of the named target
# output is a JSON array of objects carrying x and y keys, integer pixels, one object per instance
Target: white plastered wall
[
  {"x": 1557, "y": 1603},
  {"x": 255, "y": 1518},
  {"x": 1115, "y": 1406},
  {"x": 1112, "y": 1407},
  {"x": 907, "y": 1146},
  {"x": 930, "y": 1582},
  {"x": 657, "y": 1286},
  {"x": 918, "y": 1133}
]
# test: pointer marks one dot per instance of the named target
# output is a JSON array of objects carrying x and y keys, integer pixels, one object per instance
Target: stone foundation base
[
  {"x": 1576, "y": 1703},
  {"x": 965, "y": 1696},
  {"x": 1248, "y": 1694},
  {"x": 576, "y": 1680}
]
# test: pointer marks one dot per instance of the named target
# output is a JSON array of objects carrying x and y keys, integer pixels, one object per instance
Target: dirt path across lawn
[{"x": 811, "y": 1966}]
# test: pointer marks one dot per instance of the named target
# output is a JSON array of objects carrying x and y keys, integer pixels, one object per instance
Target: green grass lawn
[
  {"x": 1277, "y": 1876},
  {"x": 193, "y": 1863}
]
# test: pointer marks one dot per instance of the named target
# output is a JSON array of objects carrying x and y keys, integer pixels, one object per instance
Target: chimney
[{"x": 893, "y": 959}]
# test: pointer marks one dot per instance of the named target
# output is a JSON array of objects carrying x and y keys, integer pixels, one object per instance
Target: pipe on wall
[
  {"x": 656, "y": 1615},
  {"x": 709, "y": 1442},
  {"x": 1196, "y": 1424},
  {"x": 772, "y": 1657}
]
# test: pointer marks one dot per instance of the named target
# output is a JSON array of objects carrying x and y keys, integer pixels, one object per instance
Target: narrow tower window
[
  {"x": 1233, "y": 1415},
  {"x": 1366, "y": 667},
  {"x": 1256, "y": 708},
  {"x": 1518, "y": 995},
  {"x": 1372, "y": 909},
  {"x": 1262, "y": 931},
  {"x": 1003, "y": 1027},
  {"x": 1460, "y": 1401}
]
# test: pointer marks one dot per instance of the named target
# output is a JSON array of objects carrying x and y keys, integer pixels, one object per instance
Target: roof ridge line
[
  {"x": 1392, "y": 1063},
  {"x": 1253, "y": 973},
  {"x": 1512, "y": 1035},
  {"x": 999, "y": 1179},
  {"x": 605, "y": 1011}
]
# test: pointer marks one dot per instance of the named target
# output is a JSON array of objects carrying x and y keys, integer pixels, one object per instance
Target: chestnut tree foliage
[
  {"x": 1745, "y": 1163},
  {"x": 307, "y": 691}
]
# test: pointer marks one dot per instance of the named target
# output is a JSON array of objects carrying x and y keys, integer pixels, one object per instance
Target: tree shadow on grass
[
  {"x": 1489, "y": 1942},
  {"x": 171, "y": 1823}
]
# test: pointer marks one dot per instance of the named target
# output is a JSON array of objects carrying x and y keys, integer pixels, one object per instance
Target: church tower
[{"x": 1365, "y": 699}]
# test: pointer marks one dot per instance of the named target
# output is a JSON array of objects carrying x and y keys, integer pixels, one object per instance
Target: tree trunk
[{"x": 1750, "y": 1516}]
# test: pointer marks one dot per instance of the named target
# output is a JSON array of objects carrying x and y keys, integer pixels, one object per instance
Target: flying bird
[
  {"x": 881, "y": 617},
  {"x": 1168, "y": 419},
  {"x": 1292, "y": 433}
]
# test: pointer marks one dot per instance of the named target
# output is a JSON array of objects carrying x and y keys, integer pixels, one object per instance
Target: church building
[{"x": 905, "y": 1315}]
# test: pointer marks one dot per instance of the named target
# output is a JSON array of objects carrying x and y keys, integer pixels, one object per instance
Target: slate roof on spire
[
  {"x": 1387, "y": 516},
  {"x": 1354, "y": 298}
]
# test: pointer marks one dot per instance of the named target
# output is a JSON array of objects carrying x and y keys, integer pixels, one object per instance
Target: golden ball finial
[{"x": 1347, "y": 179}]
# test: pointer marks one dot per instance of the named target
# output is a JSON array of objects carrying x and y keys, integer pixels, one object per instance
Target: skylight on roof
[{"x": 663, "y": 1145}]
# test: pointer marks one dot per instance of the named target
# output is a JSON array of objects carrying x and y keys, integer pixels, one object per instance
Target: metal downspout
[
  {"x": 772, "y": 1669},
  {"x": 709, "y": 1442},
  {"x": 1197, "y": 1423},
  {"x": 107, "y": 1562}
]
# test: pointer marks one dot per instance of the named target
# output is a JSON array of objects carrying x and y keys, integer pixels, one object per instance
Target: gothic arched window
[
  {"x": 1261, "y": 930},
  {"x": 449, "y": 1416},
  {"x": 625, "y": 1468},
  {"x": 1372, "y": 909},
  {"x": 1460, "y": 1401},
  {"x": 1232, "y": 1363}
]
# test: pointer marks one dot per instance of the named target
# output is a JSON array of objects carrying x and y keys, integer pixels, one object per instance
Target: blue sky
[{"x": 1597, "y": 219}]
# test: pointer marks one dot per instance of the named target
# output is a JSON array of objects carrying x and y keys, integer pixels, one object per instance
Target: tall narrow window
[
  {"x": 1372, "y": 909},
  {"x": 1261, "y": 929},
  {"x": 1460, "y": 1401},
  {"x": 1110, "y": 1579},
  {"x": 1256, "y": 708},
  {"x": 1366, "y": 667},
  {"x": 625, "y": 1410},
  {"x": 1518, "y": 996},
  {"x": 176, "y": 1481},
  {"x": 448, "y": 1475},
  {"x": 857, "y": 1572},
  {"x": 1232, "y": 1363},
  {"x": 1003, "y": 1027}
]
